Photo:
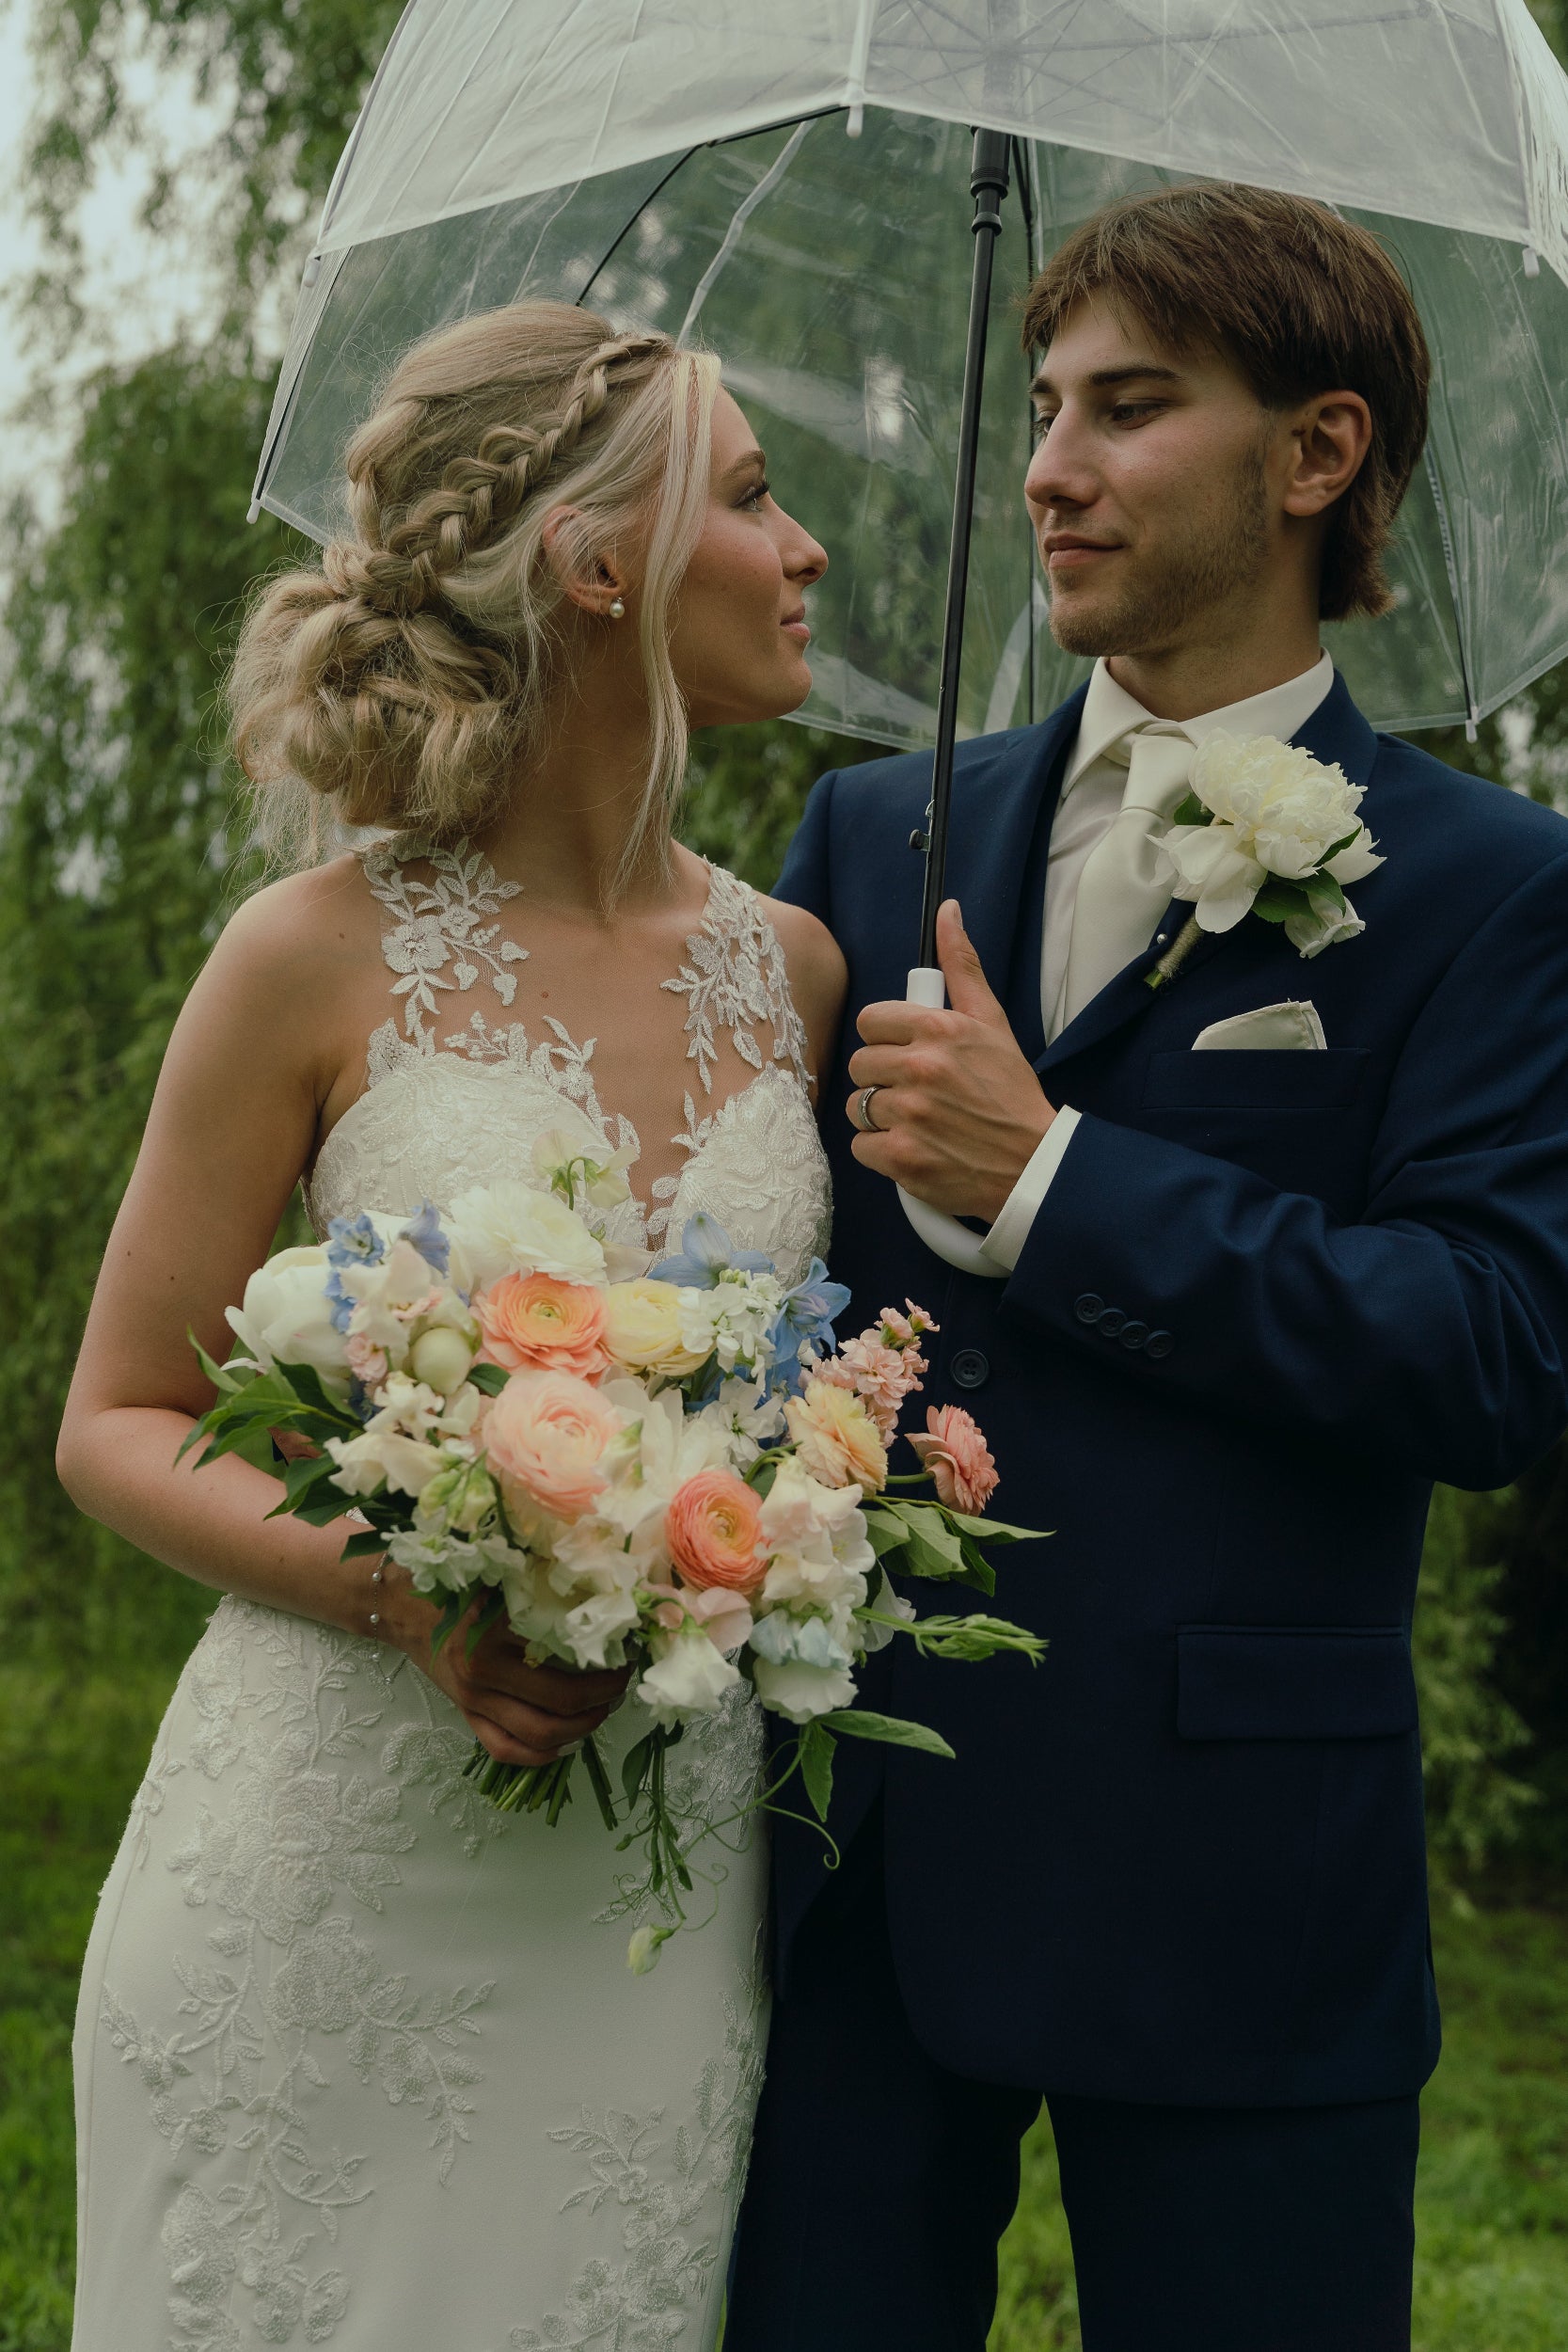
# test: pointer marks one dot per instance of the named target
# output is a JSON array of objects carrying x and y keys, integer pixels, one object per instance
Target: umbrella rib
[
  {"x": 627, "y": 226},
  {"x": 1450, "y": 564},
  {"x": 747, "y": 205}
]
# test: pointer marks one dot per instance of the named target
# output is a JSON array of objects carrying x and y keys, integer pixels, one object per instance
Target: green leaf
[
  {"x": 1190, "y": 810},
  {"x": 885, "y": 1530},
  {"x": 1277, "y": 900},
  {"x": 226, "y": 1382},
  {"x": 1349, "y": 842},
  {"x": 634, "y": 1767},
  {"x": 489, "y": 1378},
  {"x": 992, "y": 1530},
  {"x": 818, "y": 1745},
  {"x": 446, "y": 1624},
  {"x": 308, "y": 1386},
  {"x": 861, "y": 1723},
  {"x": 363, "y": 1546}
]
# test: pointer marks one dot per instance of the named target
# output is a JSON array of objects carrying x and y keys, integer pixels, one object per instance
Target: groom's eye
[{"x": 1039, "y": 425}]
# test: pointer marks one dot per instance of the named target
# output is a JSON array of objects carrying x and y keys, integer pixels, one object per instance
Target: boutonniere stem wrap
[{"x": 1266, "y": 829}]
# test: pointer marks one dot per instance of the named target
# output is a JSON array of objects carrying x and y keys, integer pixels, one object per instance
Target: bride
[{"x": 359, "y": 2060}]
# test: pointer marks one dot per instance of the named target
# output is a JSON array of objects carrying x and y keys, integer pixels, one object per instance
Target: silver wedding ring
[{"x": 864, "y": 1120}]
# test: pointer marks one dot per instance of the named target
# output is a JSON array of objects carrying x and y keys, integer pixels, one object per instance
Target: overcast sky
[{"x": 138, "y": 291}]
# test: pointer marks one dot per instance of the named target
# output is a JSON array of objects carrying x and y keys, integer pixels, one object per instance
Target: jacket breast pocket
[
  {"x": 1329, "y": 1080},
  {"x": 1281, "y": 1682}
]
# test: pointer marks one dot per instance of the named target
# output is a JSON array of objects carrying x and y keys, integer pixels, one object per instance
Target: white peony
[
  {"x": 514, "y": 1227},
  {"x": 1277, "y": 812},
  {"x": 287, "y": 1316},
  {"x": 690, "y": 1677}
]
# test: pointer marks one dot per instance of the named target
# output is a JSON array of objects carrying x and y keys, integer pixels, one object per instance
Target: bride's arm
[{"x": 259, "y": 1047}]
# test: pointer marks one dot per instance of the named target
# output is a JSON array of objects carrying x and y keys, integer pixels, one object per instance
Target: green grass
[{"x": 1492, "y": 2269}]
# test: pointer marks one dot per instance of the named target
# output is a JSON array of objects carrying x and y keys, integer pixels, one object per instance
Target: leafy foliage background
[{"x": 120, "y": 848}]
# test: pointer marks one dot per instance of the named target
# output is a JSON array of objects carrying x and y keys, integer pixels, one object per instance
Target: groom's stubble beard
[{"x": 1209, "y": 567}]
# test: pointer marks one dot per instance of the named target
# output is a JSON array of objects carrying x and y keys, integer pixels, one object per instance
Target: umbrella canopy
[{"x": 695, "y": 174}]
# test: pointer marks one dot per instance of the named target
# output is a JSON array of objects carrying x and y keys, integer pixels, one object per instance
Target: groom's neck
[{"x": 1227, "y": 659}]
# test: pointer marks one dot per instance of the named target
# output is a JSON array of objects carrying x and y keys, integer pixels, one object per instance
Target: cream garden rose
[{"x": 642, "y": 1329}]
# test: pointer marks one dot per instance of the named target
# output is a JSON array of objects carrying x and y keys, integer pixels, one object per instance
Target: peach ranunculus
[
  {"x": 545, "y": 1437},
  {"x": 714, "y": 1530},
  {"x": 837, "y": 1437},
  {"x": 958, "y": 1457},
  {"x": 536, "y": 1322}
]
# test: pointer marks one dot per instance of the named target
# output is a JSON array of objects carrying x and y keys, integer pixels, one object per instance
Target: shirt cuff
[{"x": 1005, "y": 1243}]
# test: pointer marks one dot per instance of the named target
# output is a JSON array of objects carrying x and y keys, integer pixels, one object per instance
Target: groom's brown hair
[{"x": 1299, "y": 301}]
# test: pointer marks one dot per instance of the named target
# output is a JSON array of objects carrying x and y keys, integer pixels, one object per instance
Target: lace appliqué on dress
[
  {"x": 735, "y": 978},
  {"x": 287, "y": 1984},
  {"x": 664, "y": 2180}
]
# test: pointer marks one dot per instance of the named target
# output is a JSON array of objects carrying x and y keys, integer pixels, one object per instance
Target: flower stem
[{"x": 1175, "y": 954}]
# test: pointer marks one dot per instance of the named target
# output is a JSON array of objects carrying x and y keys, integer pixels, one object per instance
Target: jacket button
[
  {"x": 1088, "y": 1308},
  {"x": 1133, "y": 1334},
  {"x": 970, "y": 1369},
  {"x": 1158, "y": 1344},
  {"x": 1112, "y": 1322}
]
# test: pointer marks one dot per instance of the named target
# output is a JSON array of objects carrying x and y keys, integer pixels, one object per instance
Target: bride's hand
[{"x": 521, "y": 1714}]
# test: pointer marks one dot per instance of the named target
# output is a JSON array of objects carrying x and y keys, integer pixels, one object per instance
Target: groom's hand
[{"x": 963, "y": 1112}]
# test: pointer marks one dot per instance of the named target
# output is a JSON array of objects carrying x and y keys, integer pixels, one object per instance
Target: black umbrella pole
[{"x": 988, "y": 184}]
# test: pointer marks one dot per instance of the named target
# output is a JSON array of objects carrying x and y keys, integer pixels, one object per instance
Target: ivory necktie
[{"x": 1124, "y": 888}]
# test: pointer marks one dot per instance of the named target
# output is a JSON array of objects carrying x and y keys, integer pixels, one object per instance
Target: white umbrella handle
[{"x": 937, "y": 1230}]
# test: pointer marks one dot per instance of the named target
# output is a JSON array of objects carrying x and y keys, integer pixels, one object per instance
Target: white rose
[
  {"x": 642, "y": 1329},
  {"x": 690, "y": 1678},
  {"x": 287, "y": 1316},
  {"x": 801, "y": 1692},
  {"x": 512, "y": 1228}
]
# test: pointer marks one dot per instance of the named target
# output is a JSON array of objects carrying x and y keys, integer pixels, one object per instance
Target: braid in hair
[{"x": 403, "y": 680}]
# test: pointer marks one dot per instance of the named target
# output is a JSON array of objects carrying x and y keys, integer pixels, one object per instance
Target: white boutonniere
[{"x": 1266, "y": 829}]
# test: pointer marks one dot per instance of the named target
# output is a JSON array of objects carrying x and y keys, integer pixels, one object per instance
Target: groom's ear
[{"x": 968, "y": 990}]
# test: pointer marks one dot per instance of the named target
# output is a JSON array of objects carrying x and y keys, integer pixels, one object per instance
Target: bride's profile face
[{"x": 738, "y": 643}]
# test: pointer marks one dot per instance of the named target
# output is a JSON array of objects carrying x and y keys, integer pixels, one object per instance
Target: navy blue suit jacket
[{"x": 1183, "y": 1860}]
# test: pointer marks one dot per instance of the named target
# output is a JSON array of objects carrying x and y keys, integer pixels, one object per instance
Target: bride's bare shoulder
[
  {"x": 818, "y": 975},
  {"x": 300, "y": 961}
]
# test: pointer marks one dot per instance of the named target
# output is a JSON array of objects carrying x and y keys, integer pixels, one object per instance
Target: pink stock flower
[
  {"x": 880, "y": 1375},
  {"x": 545, "y": 1437},
  {"x": 714, "y": 1530},
  {"x": 958, "y": 1457},
  {"x": 904, "y": 1330}
]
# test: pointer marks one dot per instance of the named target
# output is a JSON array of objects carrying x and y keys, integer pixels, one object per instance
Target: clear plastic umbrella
[{"x": 687, "y": 169}]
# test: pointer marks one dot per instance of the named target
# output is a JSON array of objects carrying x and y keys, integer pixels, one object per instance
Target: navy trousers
[{"x": 881, "y": 2181}]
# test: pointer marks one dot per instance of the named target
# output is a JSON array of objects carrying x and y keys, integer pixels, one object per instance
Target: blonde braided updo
[{"x": 406, "y": 681}]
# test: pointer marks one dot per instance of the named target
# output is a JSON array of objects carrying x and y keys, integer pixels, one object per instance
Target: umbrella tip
[
  {"x": 856, "y": 123},
  {"x": 253, "y": 512},
  {"x": 1533, "y": 261}
]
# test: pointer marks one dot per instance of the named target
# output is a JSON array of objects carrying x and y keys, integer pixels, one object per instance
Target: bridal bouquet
[{"x": 672, "y": 1470}]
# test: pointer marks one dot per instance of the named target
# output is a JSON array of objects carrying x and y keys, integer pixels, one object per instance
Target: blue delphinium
[
  {"x": 805, "y": 1327},
  {"x": 424, "y": 1231},
  {"x": 707, "y": 1252},
  {"x": 351, "y": 1241}
]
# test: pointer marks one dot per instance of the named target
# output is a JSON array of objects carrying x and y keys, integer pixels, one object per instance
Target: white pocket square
[{"x": 1270, "y": 1029}]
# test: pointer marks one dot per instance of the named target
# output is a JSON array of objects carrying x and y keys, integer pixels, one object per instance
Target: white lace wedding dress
[{"x": 358, "y": 2061}]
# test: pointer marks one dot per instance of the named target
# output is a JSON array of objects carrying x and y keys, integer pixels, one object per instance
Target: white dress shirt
[{"x": 1092, "y": 789}]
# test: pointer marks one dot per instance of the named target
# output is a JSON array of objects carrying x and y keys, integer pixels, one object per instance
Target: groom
[{"x": 1278, "y": 1245}]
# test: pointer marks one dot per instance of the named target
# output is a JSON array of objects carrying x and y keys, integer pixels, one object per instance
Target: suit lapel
[{"x": 1336, "y": 734}]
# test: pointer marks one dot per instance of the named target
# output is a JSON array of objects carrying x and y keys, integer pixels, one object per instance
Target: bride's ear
[{"x": 594, "y": 585}]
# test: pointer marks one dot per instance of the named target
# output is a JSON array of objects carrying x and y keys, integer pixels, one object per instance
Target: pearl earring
[{"x": 618, "y": 610}]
